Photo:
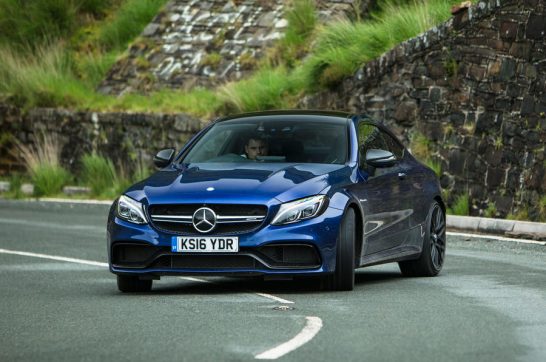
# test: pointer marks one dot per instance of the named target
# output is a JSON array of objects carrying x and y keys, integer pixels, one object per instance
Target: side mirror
[
  {"x": 380, "y": 158},
  {"x": 164, "y": 157}
]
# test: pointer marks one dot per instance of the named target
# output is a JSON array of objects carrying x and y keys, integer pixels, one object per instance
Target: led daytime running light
[
  {"x": 299, "y": 210},
  {"x": 131, "y": 210}
]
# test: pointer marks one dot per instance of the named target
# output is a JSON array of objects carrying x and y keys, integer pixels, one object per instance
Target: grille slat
[{"x": 231, "y": 219}]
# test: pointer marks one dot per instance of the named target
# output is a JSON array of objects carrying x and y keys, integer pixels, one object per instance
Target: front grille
[
  {"x": 231, "y": 219},
  {"x": 273, "y": 256}
]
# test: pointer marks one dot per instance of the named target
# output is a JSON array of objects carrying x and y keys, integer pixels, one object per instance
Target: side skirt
[{"x": 408, "y": 250}]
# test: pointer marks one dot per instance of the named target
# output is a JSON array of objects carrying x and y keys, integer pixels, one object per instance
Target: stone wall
[
  {"x": 206, "y": 42},
  {"x": 475, "y": 87},
  {"x": 126, "y": 138}
]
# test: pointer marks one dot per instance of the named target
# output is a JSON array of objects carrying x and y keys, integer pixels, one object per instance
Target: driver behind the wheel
[{"x": 255, "y": 147}]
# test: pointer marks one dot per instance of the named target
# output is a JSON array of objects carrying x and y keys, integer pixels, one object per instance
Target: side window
[
  {"x": 393, "y": 146},
  {"x": 369, "y": 137}
]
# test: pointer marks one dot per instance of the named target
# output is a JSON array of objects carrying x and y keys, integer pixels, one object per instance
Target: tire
[
  {"x": 343, "y": 278},
  {"x": 132, "y": 284},
  {"x": 432, "y": 256}
]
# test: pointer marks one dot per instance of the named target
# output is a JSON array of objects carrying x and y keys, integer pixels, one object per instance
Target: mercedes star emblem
[{"x": 204, "y": 220}]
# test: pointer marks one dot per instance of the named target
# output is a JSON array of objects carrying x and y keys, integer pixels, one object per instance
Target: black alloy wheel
[
  {"x": 438, "y": 237},
  {"x": 433, "y": 253}
]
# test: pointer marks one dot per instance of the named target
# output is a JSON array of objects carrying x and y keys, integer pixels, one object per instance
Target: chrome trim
[
  {"x": 179, "y": 217},
  {"x": 220, "y": 219}
]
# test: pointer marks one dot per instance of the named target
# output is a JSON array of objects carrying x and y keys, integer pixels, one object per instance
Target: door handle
[{"x": 402, "y": 175}]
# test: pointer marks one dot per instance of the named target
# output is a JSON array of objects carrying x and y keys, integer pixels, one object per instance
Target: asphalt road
[{"x": 488, "y": 304}]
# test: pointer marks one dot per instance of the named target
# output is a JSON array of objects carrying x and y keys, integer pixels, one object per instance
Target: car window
[
  {"x": 369, "y": 137},
  {"x": 272, "y": 140},
  {"x": 393, "y": 145}
]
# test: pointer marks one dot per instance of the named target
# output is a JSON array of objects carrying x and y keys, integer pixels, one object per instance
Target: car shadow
[{"x": 226, "y": 285}]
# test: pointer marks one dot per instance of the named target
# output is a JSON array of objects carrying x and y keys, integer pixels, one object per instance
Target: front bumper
[{"x": 303, "y": 248}]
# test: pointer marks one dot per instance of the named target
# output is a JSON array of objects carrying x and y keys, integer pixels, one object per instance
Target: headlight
[
  {"x": 131, "y": 210},
  {"x": 298, "y": 210}
]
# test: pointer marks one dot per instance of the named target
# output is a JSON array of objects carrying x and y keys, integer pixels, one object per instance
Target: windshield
[{"x": 272, "y": 141}]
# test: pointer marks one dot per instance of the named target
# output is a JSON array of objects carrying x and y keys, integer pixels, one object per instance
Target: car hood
[{"x": 238, "y": 183}]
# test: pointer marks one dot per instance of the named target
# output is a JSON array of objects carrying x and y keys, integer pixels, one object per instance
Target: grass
[
  {"x": 436, "y": 166},
  {"x": 42, "y": 163},
  {"x": 420, "y": 146},
  {"x": 44, "y": 79},
  {"x": 64, "y": 73},
  {"x": 542, "y": 209},
  {"x": 98, "y": 173},
  {"x": 267, "y": 89},
  {"x": 127, "y": 22},
  {"x": 302, "y": 20},
  {"x": 491, "y": 210},
  {"x": 461, "y": 206},
  {"x": 342, "y": 47},
  {"x": 522, "y": 215},
  {"x": 107, "y": 180}
]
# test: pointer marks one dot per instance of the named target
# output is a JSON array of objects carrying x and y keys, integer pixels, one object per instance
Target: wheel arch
[
  {"x": 359, "y": 230},
  {"x": 438, "y": 199}
]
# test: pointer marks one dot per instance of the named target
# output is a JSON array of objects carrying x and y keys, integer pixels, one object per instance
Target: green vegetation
[
  {"x": 49, "y": 180},
  {"x": 267, "y": 89},
  {"x": 42, "y": 163},
  {"x": 421, "y": 148},
  {"x": 542, "y": 209},
  {"x": 461, "y": 206},
  {"x": 343, "y": 46},
  {"x": 15, "y": 182},
  {"x": 60, "y": 63},
  {"x": 436, "y": 166},
  {"x": 212, "y": 60},
  {"x": 129, "y": 20},
  {"x": 98, "y": 173},
  {"x": 522, "y": 214},
  {"x": 105, "y": 179},
  {"x": 491, "y": 210},
  {"x": 302, "y": 20}
]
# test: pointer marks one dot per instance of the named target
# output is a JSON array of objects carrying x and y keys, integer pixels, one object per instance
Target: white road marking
[
  {"x": 191, "y": 279},
  {"x": 96, "y": 263},
  {"x": 312, "y": 327},
  {"x": 280, "y": 300},
  {"x": 51, "y": 225},
  {"x": 75, "y": 201},
  {"x": 495, "y": 237},
  {"x": 54, "y": 257}
]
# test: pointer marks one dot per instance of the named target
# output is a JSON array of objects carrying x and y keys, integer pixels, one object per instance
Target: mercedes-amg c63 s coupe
[{"x": 280, "y": 194}]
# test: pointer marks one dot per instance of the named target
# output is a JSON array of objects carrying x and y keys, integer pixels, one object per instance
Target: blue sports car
[{"x": 280, "y": 194}]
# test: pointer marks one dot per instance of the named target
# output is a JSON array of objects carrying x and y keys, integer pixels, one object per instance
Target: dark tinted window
[
  {"x": 393, "y": 146},
  {"x": 369, "y": 137},
  {"x": 284, "y": 140}
]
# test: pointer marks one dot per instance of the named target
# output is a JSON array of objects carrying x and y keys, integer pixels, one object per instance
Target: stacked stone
[
  {"x": 205, "y": 42},
  {"x": 476, "y": 88},
  {"x": 129, "y": 139}
]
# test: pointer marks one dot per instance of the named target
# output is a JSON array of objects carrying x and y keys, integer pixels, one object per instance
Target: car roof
[{"x": 283, "y": 113}]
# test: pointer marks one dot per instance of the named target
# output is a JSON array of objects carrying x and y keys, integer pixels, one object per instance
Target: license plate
[{"x": 202, "y": 244}]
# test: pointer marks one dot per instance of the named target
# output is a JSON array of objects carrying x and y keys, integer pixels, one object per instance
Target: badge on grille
[{"x": 204, "y": 220}]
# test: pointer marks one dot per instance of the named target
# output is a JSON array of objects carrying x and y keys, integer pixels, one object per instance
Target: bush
[
  {"x": 436, "y": 166},
  {"x": 42, "y": 162},
  {"x": 127, "y": 23},
  {"x": 267, "y": 89},
  {"x": 461, "y": 206},
  {"x": 343, "y": 46},
  {"x": 98, "y": 173},
  {"x": 44, "y": 78},
  {"x": 49, "y": 180}
]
